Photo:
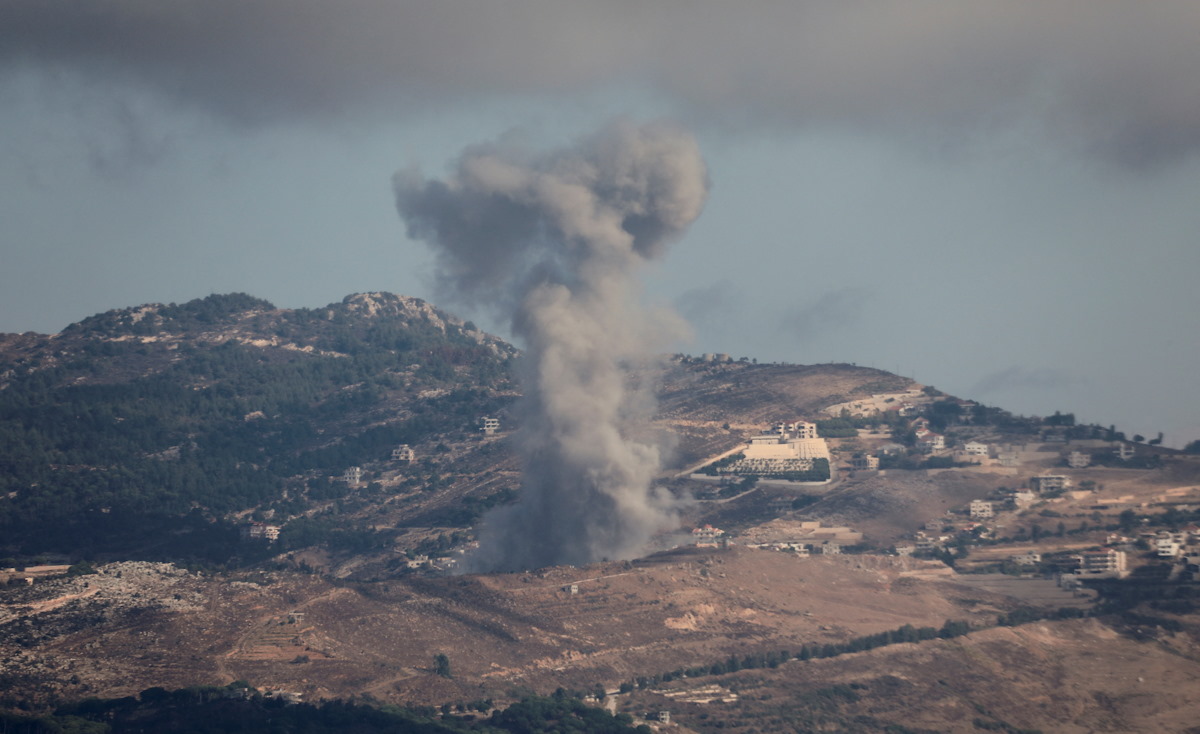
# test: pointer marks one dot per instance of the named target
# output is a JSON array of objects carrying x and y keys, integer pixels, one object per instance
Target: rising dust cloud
[{"x": 555, "y": 241}]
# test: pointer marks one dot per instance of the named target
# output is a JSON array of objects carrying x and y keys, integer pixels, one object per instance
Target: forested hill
[{"x": 145, "y": 427}]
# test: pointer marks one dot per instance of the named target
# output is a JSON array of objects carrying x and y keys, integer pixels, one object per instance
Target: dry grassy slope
[
  {"x": 682, "y": 609},
  {"x": 1070, "y": 676},
  {"x": 697, "y": 400}
]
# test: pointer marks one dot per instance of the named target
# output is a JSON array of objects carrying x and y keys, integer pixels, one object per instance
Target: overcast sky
[{"x": 995, "y": 198}]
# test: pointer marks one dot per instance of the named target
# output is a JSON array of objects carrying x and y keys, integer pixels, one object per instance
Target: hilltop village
[{"x": 1061, "y": 505}]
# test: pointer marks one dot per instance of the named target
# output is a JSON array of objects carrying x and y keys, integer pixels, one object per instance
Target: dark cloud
[
  {"x": 1115, "y": 78},
  {"x": 831, "y": 311},
  {"x": 1018, "y": 378}
]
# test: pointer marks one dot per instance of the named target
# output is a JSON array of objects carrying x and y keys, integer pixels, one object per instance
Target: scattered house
[
  {"x": 891, "y": 449},
  {"x": 1027, "y": 559},
  {"x": 707, "y": 537},
  {"x": 260, "y": 531},
  {"x": 418, "y": 562},
  {"x": 404, "y": 453},
  {"x": 830, "y": 548},
  {"x": 295, "y": 617},
  {"x": 928, "y": 543},
  {"x": 352, "y": 475},
  {"x": 1166, "y": 547},
  {"x": 929, "y": 442},
  {"x": 982, "y": 509},
  {"x": 1078, "y": 460},
  {"x": 489, "y": 426},
  {"x": 864, "y": 462},
  {"x": 905, "y": 549},
  {"x": 1103, "y": 562},
  {"x": 571, "y": 589},
  {"x": 1050, "y": 483},
  {"x": 1124, "y": 451},
  {"x": 975, "y": 448}
]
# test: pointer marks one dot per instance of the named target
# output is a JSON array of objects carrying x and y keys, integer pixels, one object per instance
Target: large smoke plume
[{"x": 556, "y": 241}]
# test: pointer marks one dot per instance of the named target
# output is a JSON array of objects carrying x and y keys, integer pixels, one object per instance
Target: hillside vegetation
[{"x": 147, "y": 426}]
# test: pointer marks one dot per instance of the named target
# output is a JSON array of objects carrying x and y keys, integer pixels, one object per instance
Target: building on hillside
[
  {"x": 1078, "y": 460},
  {"x": 260, "y": 531},
  {"x": 929, "y": 442},
  {"x": 1027, "y": 559},
  {"x": 404, "y": 453},
  {"x": 1167, "y": 547},
  {"x": 829, "y": 548},
  {"x": 864, "y": 462},
  {"x": 788, "y": 441},
  {"x": 982, "y": 509},
  {"x": 1049, "y": 483},
  {"x": 489, "y": 425},
  {"x": 1104, "y": 562},
  {"x": 891, "y": 449},
  {"x": 352, "y": 475},
  {"x": 707, "y": 537},
  {"x": 975, "y": 448}
]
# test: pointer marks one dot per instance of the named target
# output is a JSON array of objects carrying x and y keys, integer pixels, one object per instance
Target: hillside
[
  {"x": 139, "y": 442},
  {"x": 141, "y": 431},
  {"x": 151, "y": 432}
]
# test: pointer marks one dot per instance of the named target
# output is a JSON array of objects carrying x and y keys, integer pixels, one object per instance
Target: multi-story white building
[
  {"x": 489, "y": 425},
  {"x": 352, "y": 475},
  {"x": 982, "y": 509},
  {"x": 404, "y": 453},
  {"x": 1107, "y": 561},
  {"x": 1078, "y": 460}
]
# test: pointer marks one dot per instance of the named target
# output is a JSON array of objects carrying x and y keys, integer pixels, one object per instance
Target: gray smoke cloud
[
  {"x": 556, "y": 240},
  {"x": 1114, "y": 78}
]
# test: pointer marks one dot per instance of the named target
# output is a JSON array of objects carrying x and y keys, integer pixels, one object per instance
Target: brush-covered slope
[{"x": 146, "y": 426}]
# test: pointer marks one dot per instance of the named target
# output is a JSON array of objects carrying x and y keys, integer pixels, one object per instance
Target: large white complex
[{"x": 788, "y": 441}]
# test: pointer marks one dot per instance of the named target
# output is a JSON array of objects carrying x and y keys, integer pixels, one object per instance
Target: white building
[
  {"x": 975, "y": 448},
  {"x": 1078, "y": 460},
  {"x": 352, "y": 475},
  {"x": 489, "y": 425},
  {"x": 1027, "y": 559},
  {"x": 1104, "y": 562},
  {"x": 260, "y": 531},
  {"x": 404, "y": 453},
  {"x": 788, "y": 442},
  {"x": 864, "y": 462},
  {"x": 982, "y": 509},
  {"x": 707, "y": 536}
]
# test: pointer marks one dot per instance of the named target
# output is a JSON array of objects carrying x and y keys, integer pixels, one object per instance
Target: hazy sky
[{"x": 996, "y": 198}]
